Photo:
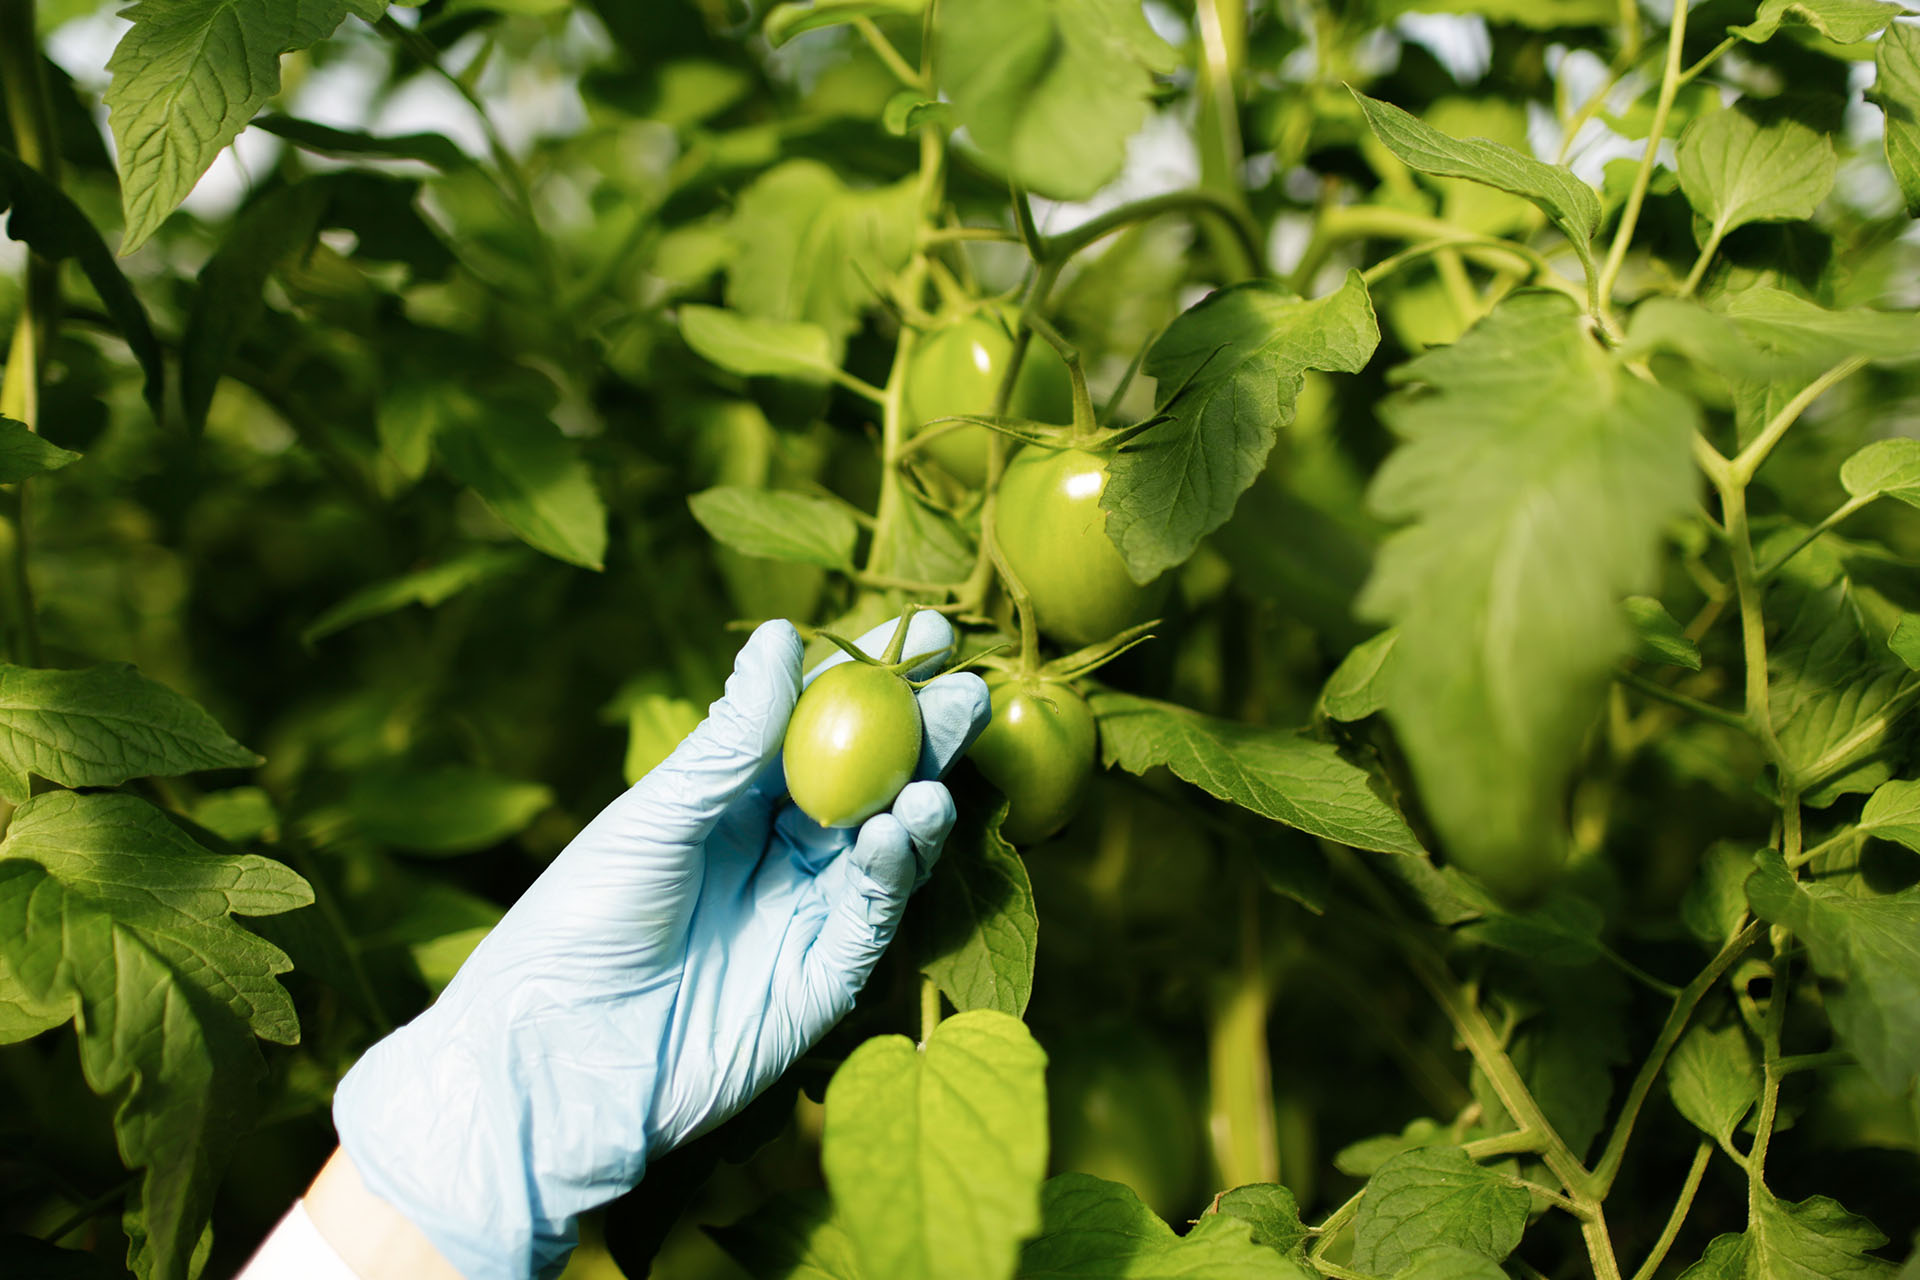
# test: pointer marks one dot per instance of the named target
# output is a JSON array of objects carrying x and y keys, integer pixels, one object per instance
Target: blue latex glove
[{"x": 698, "y": 936}]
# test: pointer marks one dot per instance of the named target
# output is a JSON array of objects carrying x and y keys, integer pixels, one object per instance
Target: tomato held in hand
[
  {"x": 852, "y": 743},
  {"x": 1054, "y": 535},
  {"x": 956, "y": 369},
  {"x": 1038, "y": 749}
]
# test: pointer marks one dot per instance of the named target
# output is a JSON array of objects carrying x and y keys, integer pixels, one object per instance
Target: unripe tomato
[
  {"x": 1038, "y": 749},
  {"x": 956, "y": 368},
  {"x": 1054, "y": 535},
  {"x": 852, "y": 743}
]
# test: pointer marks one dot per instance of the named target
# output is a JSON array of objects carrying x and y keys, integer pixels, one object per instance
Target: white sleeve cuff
[{"x": 296, "y": 1251}]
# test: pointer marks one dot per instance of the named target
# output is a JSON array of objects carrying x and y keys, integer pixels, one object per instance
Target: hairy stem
[{"x": 1636, "y": 197}]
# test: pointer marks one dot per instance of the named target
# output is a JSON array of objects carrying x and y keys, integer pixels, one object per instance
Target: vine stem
[
  {"x": 1747, "y": 462},
  {"x": 1707, "y": 251},
  {"x": 1701, "y": 1156},
  {"x": 1814, "y": 534},
  {"x": 1636, "y": 197},
  {"x": 929, "y": 1008},
  {"x": 1705, "y": 710},
  {"x": 1063, "y": 246}
]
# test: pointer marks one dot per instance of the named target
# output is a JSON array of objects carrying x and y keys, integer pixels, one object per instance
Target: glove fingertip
[
  {"x": 954, "y": 709},
  {"x": 926, "y": 810}
]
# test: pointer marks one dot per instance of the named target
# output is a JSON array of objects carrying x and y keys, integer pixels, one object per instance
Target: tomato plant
[
  {"x": 852, "y": 743},
  {"x": 1437, "y": 481}
]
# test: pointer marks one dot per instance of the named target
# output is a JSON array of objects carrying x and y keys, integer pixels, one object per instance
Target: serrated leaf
[
  {"x": 1449, "y": 1262},
  {"x": 1869, "y": 946},
  {"x": 1892, "y": 812},
  {"x": 809, "y": 248},
  {"x": 1435, "y": 1196},
  {"x": 1815, "y": 1239},
  {"x": 1714, "y": 1078},
  {"x": 1537, "y": 478},
  {"x": 342, "y": 144},
  {"x": 1099, "y": 1230},
  {"x": 786, "y": 21},
  {"x": 795, "y": 527},
  {"x": 1276, "y": 773},
  {"x": 1049, "y": 90},
  {"x": 935, "y": 1155},
  {"x": 982, "y": 934},
  {"x": 41, "y": 216},
  {"x": 429, "y": 587},
  {"x": 793, "y": 1236},
  {"x": 1570, "y": 203},
  {"x": 1896, "y": 88},
  {"x": 532, "y": 477},
  {"x": 755, "y": 347},
  {"x": 1273, "y": 1214},
  {"x": 1233, "y": 365},
  {"x": 1736, "y": 169},
  {"x": 447, "y": 810},
  {"x": 1890, "y": 467},
  {"x": 187, "y": 76},
  {"x": 1834, "y": 692},
  {"x": 1841, "y": 21},
  {"x": 106, "y": 904},
  {"x": 1357, "y": 687},
  {"x": 1657, "y": 637},
  {"x": 102, "y": 726},
  {"x": 25, "y": 454}
]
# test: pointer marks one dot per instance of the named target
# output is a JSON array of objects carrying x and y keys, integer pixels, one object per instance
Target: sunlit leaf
[
  {"x": 1435, "y": 1196},
  {"x": 982, "y": 934},
  {"x": 795, "y": 527}
]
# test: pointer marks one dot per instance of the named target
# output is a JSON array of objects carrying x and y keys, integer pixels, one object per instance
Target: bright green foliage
[
  {"x": 1095, "y": 1229},
  {"x": 1432, "y": 1196},
  {"x": 102, "y": 726},
  {"x": 1714, "y": 1078},
  {"x": 429, "y": 587},
  {"x": 983, "y": 930},
  {"x": 531, "y": 476},
  {"x": 1050, "y": 91},
  {"x": 795, "y": 527},
  {"x": 1843, "y": 21},
  {"x": 785, "y": 21},
  {"x": 1357, "y": 687},
  {"x": 1505, "y": 585},
  {"x": 934, "y": 1155},
  {"x": 452, "y": 809},
  {"x": 1231, "y": 369},
  {"x": 24, "y": 454},
  {"x": 1736, "y": 169},
  {"x": 756, "y": 347},
  {"x": 1896, "y": 87},
  {"x": 1815, "y": 1239},
  {"x": 1657, "y": 637},
  {"x": 1890, "y": 467},
  {"x": 188, "y": 76},
  {"x": 114, "y": 914}
]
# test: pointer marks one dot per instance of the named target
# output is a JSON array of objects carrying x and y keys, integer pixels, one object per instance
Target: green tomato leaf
[
  {"x": 1564, "y": 198},
  {"x": 909, "y": 110},
  {"x": 1841, "y": 21},
  {"x": 754, "y": 347},
  {"x": 934, "y": 1155},
  {"x": 1892, "y": 812},
  {"x": 1271, "y": 1211},
  {"x": 1714, "y": 1077},
  {"x": 795, "y": 527},
  {"x": 1537, "y": 478},
  {"x": 1541, "y": 15},
  {"x": 810, "y": 249},
  {"x": 1657, "y": 637},
  {"x": 1868, "y": 945},
  {"x": 983, "y": 930},
  {"x": 110, "y": 909},
  {"x": 1896, "y": 88},
  {"x": 187, "y": 77},
  {"x": 1835, "y": 691},
  {"x": 43, "y": 218},
  {"x": 1889, "y": 467},
  {"x": 1810, "y": 337},
  {"x": 25, "y": 454},
  {"x": 1736, "y": 169},
  {"x": 1436, "y": 1196},
  {"x": 1709, "y": 339},
  {"x": 1232, "y": 366},
  {"x": 1449, "y": 1262},
  {"x": 793, "y": 1236},
  {"x": 786, "y": 21},
  {"x": 1099, "y": 1230},
  {"x": 1049, "y": 90},
  {"x": 1904, "y": 642},
  {"x": 102, "y": 726},
  {"x": 455, "y": 809},
  {"x": 349, "y": 144},
  {"x": 529, "y": 475},
  {"x": 1278, "y": 774},
  {"x": 1815, "y": 1239},
  {"x": 1357, "y": 687},
  {"x": 429, "y": 587}
]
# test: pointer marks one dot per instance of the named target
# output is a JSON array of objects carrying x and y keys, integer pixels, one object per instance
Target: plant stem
[
  {"x": 90, "y": 1210},
  {"x": 1608, "y": 1167},
  {"x": 1246, "y": 1144},
  {"x": 1707, "y": 251},
  {"x": 877, "y": 41},
  {"x": 1636, "y": 197},
  {"x": 1839, "y": 514},
  {"x": 1331, "y": 1226},
  {"x": 929, "y": 1008},
  {"x": 1701, "y": 1156},
  {"x": 1708, "y": 59},
  {"x": 1706, "y": 711},
  {"x": 1770, "y": 1076},
  {"x": 1733, "y": 510},
  {"x": 1748, "y": 461},
  {"x": 1197, "y": 200}
]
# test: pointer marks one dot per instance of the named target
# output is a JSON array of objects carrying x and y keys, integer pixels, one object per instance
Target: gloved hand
[{"x": 695, "y": 938}]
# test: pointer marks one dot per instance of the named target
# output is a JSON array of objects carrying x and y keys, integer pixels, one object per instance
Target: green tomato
[
  {"x": 852, "y": 743},
  {"x": 956, "y": 368},
  {"x": 1038, "y": 749},
  {"x": 1054, "y": 534}
]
